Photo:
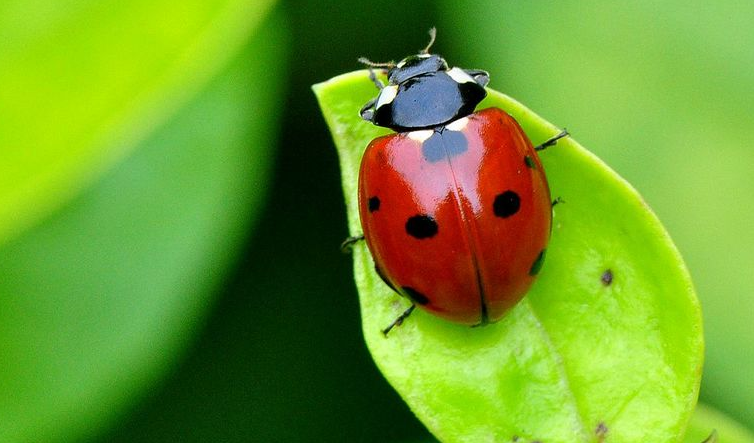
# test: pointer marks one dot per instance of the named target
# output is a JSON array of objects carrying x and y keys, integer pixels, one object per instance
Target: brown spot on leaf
[
  {"x": 607, "y": 277},
  {"x": 601, "y": 431}
]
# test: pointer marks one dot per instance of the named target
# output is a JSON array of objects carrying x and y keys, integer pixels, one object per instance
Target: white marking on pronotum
[
  {"x": 387, "y": 95},
  {"x": 460, "y": 76},
  {"x": 458, "y": 125},
  {"x": 421, "y": 136}
]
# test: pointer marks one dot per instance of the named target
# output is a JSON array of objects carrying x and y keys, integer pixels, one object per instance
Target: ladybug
[{"x": 455, "y": 207}]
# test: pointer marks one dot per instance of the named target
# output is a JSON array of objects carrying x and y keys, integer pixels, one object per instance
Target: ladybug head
[
  {"x": 414, "y": 66},
  {"x": 423, "y": 92}
]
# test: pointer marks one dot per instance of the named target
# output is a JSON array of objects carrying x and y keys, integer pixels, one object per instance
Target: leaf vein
[{"x": 563, "y": 373}]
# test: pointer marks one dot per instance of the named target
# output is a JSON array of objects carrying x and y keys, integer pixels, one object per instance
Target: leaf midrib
[{"x": 564, "y": 378}]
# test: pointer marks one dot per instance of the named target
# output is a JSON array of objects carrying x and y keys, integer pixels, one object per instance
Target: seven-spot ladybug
[{"x": 455, "y": 207}]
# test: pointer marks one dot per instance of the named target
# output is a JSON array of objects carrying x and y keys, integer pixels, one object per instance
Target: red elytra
[{"x": 457, "y": 217}]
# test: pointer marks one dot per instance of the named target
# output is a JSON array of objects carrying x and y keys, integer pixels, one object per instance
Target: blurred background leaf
[
  {"x": 85, "y": 81},
  {"x": 98, "y": 299},
  {"x": 706, "y": 419}
]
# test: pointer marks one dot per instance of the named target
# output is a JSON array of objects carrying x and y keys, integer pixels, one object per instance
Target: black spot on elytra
[
  {"x": 607, "y": 277},
  {"x": 506, "y": 204},
  {"x": 373, "y": 204},
  {"x": 421, "y": 226},
  {"x": 415, "y": 296},
  {"x": 529, "y": 162},
  {"x": 537, "y": 265},
  {"x": 444, "y": 143}
]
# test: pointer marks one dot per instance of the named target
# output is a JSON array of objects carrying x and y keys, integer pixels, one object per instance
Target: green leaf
[
  {"x": 99, "y": 299},
  {"x": 707, "y": 419},
  {"x": 576, "y": 357},
  {"x": 83, "y": 82}
]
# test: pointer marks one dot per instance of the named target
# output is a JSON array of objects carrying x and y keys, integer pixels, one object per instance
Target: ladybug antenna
[
  {"x": 371, "y": 64},
  {"x": 432, "y": 35}
]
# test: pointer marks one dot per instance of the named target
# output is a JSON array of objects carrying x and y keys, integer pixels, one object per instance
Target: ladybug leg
[
  {"x": 377, "y": 82},
  {"x": 399, "y": 321},
  {"x": 348, "y": 243},
  {"x": 371, "y": 65},
  {"x": 552, "y": 140},
  {"x": 557, "y": 201}
]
